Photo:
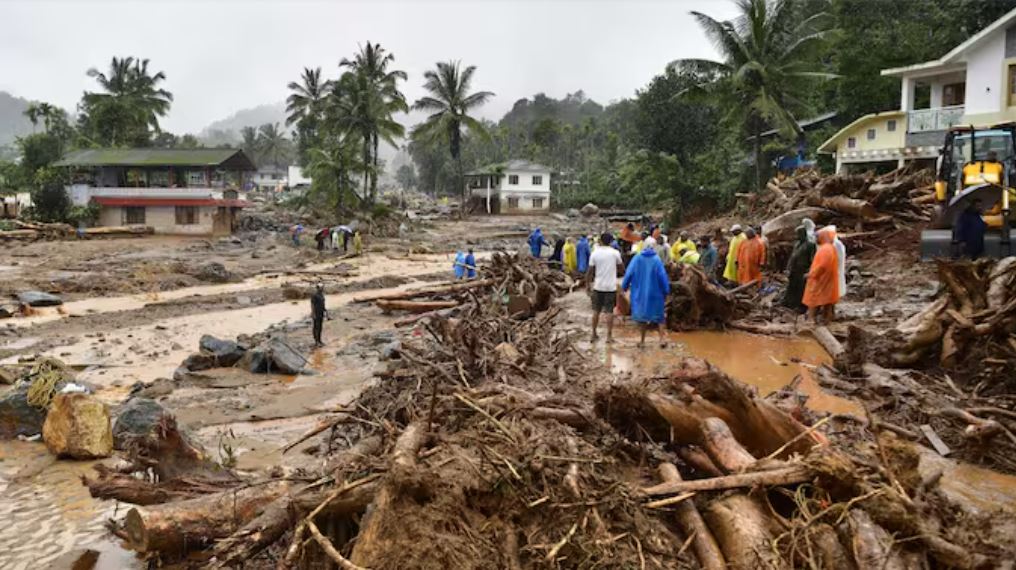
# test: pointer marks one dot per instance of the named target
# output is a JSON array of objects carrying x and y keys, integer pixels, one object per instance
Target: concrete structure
[
  {"x": 973, "y": 84},
  {"x": 189, "y": 192},
  {"x": 270, "y": 178},
  {"x": 296, "y": 180},
  {"x": 513, "y": 187}
]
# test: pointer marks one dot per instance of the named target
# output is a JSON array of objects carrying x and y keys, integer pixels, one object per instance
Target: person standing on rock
[
  {"x": 650, "y": 285},
  {"x": 317, "y": 312},
  {"x": 604, "y": 264}
]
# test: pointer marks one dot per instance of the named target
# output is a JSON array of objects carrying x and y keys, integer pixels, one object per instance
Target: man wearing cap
[{"x": 730, "y": 271}]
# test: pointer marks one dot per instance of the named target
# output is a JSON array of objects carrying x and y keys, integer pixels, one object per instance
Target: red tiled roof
[{"x": 142, "y": 201}]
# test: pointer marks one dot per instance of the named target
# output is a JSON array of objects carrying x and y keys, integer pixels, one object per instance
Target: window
[
  {"x": 537, "y": 202},
  {"x": 871, "y": 134},
  {"x": 186, "y": 215},
  {"x": 537, "y": 180},
  {"x": 196, "y": 179},
  {"x": 513, "y": 203},
  {"x": 851, "y": 142},
  {"x": 891, "y": 125},
  {"x": 954, "y": 94},
  {"x": 513, "y": 179},
  {"x": 134, "y": 215}
]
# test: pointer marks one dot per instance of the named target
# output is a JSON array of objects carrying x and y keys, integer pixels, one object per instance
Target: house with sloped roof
[
  {"x": 973, "y": 84},
  {"x": 513, "y": 187},
  {"x": 175, "y": 191}
]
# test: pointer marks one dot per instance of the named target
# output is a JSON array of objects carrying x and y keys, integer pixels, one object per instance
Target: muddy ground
[{"x": 135, "y": 308}]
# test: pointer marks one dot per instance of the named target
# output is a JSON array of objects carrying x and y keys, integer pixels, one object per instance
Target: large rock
[
  {"x": 17, "y": 416},
  {"x": 214, "y": 272},
  {"x": 226, "y": 352},
  {"x": 590, "y": 209},
  {"x": 139, "y": 417},
  {"x": 78, "y": 427},
  {"x": 199, "y": 361},
  {"x": 274, "y": 355},
  {"x": 39, "y": 299}
]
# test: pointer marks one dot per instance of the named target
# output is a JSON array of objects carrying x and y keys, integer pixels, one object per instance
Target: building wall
[
  {"x": 985, "y": 83},
  {"x": 525, "y": 201},
  {"x": 163, "y": 219},
  {"x": 526, "y": 182},
  {"x": 884, "y": 138}
]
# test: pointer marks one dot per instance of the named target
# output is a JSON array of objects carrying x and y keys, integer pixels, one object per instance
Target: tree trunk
[
  {"x": 758, "y": 155},
  {"x": 374, "y": 173},
  {"x": 745, "y": 533},
  {"x": 688, "y": 517},
  {"x": 415, "y": 306}
]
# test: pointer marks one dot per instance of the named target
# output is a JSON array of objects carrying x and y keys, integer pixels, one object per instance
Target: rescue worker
[
  {"x": 536, "y": 243},
  {"x": 707, "y": 259},
  {"x": 682, "y": 243},
  {"x": 649, "y": 284},
  {"x": 841, "y": 262},
  {"x": 571, "y": 259},
  {"x": 459, "y": 266},
  {"x": 688, "y": 256},
  {"x": 582, "y": 255},
  {"x": 558, "y": 255},
  {"x": 470, "y": 264},
  {"x": 821, "y": 291},
  {"x": 357, "y": 243},
  {"x": 798, "y": 266},
  {"x": 628, "y": 238},
  {"x": 970, "y": 229},
  {"x": 751, "y": 255},
  {"x": 730, "y": 270},
  {"x": 317, "y": 312}
]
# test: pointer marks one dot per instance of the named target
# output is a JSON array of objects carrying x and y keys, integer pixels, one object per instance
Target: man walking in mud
[{"x": 317, "y": 312}]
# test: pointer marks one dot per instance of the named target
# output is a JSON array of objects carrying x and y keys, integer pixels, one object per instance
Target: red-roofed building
[{"x": 175, "y": 191}]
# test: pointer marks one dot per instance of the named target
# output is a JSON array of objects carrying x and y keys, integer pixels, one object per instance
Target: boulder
[
  {"x": 199, "y": 361},
  {"x": 39, "y": 299},
  {"x": 226, "y": 352},
  {"x": 8, "y": 376},
  {"x": 391, "y": 350},
  {"x": 139, "y": 417},
  {"x": 6, "y": 311},
  {"x": 590, "y": 209},
  {"x": 214, "y": 272},
  {"x": 254, "y": 360},
  {"x": 573, "y": 213},
  {"x": 17, "y": 416},
  {"x": 77, "y": 426},
  {"x": 274, "y": 355}
]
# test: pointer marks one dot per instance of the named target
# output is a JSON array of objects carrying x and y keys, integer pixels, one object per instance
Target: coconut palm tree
[
  {"x": 450, "y": 103},
  {"x": 375, "y": 92},
  {"x": 304, "y": 107},
  {"x": 332, "y": 165},
  {"x": 130, "y": 104},
  {"x": 767, "y": 56},
  {"x": 249, "y": 143},
  {"x": 273, "y": 144}
]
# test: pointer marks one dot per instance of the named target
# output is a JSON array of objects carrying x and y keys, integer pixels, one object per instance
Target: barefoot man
[{"x": 604, "y": 264}]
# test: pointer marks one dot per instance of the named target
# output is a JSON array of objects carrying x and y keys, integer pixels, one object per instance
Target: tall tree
[
  {"x": 272, "y": 145},
  {"x": 450, "y": 103},
  {"x": 130, "y": 104},
  {"x": 374, "y": 98},
  {"x": 767, "y": 58},
  {"x": 304, "y": 108}
]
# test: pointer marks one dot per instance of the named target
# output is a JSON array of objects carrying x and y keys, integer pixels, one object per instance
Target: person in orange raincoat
[
  {"x": 822, "y": 289},
  {"x": 751, "y": 254}
]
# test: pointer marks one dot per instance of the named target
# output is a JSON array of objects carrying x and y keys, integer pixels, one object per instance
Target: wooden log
[
  {"x": 870, "y": 545},
  {"x": 415, "y": 306},
  {"x": 432, "y": 291},
  {"x": 120, "y": 230},
  {"x": 744, "y": 532},
  {"x": 844, "y": 205},
  {"x": 832, "y": 554},
  {"x": 783, "y": 227},
  {"x": 130, "y": 489},
  {"x": 175, "y": 528},
  {"x": 419, "y": 317},
  {"x": 703, "y": 542},
  {"x": 721, "y": 446},
  {"x": 789, "y": 475},
  {"x": 827, "y": 340},
  {"x": 699, "y": 459}
]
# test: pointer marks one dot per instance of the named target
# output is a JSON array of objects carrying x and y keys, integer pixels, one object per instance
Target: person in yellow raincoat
[
  {"x": 682, "y": 242},
  {"x": 357, "y": 243},
  {"x": 730, "y": 270},
  {"x": 571, "y": 258}
]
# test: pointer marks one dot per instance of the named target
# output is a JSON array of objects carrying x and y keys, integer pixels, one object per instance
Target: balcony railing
[
  {"x": 81, "y": 193},
  {"x": 940, "y": 119}
]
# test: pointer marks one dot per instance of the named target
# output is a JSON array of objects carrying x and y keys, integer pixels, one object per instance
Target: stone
[
  {"x": 391, "y": 350},
  {"x": 7, "y": 311},
  {"x": 78, "y": 426},
  {"x": 199, "y": 361},
  {"x": 590, "y": 209},
  {"x": 214, "y": 272},
  {"x": 39, "y": 299},
  {"x": 573, "y": 213},
  {"x": 17, "y": 416},
  {"x": 274, "y": 355},
  {"x": 77, "y": 559},
  {"x": 139, "y": 417},
  {"x": 8, "y": 376},
  {"x": 507, "y": 352},
  {"x": 226, "y": 352}
]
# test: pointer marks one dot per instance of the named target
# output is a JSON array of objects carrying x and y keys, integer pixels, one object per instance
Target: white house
[
  {"x": 296, "y": 178},
  {"x": 513, "y": 187},
  {"x": 176, "y": 191},
  {"x": 973, "y": 84},
  {"x": 270, "y": 178}
]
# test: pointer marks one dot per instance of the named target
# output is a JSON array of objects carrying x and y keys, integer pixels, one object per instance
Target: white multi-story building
[{"x": 514, "y": 187}]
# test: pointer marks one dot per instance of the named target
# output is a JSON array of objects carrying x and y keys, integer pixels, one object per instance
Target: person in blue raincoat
[
  {"x": 582, "y": 250},
  {"x": 650, "y": 285},
  {"x": 470, "y": 264},
  {"x": 460, "y": 265},
  {"x": 536, "y": 242}
]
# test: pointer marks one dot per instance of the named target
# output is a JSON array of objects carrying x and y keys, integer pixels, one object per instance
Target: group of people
[
  {"x": 464, "y": 265},
  {"x": 816, "y": 272},
  {"x": 330, "y": 237}
]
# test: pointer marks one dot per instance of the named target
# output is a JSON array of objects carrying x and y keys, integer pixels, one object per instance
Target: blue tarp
[{"x": 649, "y": 284}]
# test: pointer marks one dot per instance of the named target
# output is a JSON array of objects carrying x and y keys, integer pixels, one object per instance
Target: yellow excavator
[{"x": 976, "y": 164}]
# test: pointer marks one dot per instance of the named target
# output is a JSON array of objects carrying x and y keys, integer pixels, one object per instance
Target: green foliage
[
  {"x": 127, "y": 110},
  {"x": 406, "y": 176},
  {"x": 50, "y": 202},
  {"x": 12, "y": 178},
  {"x": 84, "y": 215},
  {"x": 38, "y": 151}
]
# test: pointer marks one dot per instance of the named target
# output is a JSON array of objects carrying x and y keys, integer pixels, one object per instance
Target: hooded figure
[
  {"x": 460, "y": 265},
  {"x": 797, "y": 268},
  {"x": 841, "y": 261},
  {"x": 649, "y": 284},
  {"x": 470, "y": 264},
  {"x": 582, "y": 254},
  {"x": 970, "y": 228},
  {"x": 809, "y": 227},
  {"x": 730, "y": 270},
  {"x": 536, "y": 242},
  {"x": 751, "y": 254},
  {"x": 571, "y": 261},
  {"x": 822, "y": 287},
  {"x": 558, "y": 255}
]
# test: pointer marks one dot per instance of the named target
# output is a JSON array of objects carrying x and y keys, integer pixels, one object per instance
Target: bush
[
  {"x": 50, "y": 202},
  {"x": 83, "y": 215}
]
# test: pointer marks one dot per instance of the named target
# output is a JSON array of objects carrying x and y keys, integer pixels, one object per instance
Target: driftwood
[
  {"x": 844, "y": 205},
  {"x": 827, "y": 340},
  {"x": 452, "y": 288},
  {"x": 784, "y": 226},
  {"x": 415, "y": 306},
  {"x": 773, "y": 477}
]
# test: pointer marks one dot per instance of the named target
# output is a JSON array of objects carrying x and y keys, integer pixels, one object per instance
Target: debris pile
[
  {"x": 695, "y": 302},
  {"x": 33, "y": 231}
]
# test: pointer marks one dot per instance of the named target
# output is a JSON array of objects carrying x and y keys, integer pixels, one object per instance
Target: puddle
[
  {"x": 768, "y": 363},
  {"x": 47, "y": 511},
  {"x": 981, "y": 489}
]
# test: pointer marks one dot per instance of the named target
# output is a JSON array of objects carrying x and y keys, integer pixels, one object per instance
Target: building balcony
[
  {"x": 940, "y": 119},
  {"x": 81, "y": 194}
]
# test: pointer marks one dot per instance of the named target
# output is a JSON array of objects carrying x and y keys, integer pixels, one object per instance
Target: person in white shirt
[{"x": 603, "y": 268}]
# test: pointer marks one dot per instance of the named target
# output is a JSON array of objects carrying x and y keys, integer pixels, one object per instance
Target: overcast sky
[{"x": 225, "y": 55}]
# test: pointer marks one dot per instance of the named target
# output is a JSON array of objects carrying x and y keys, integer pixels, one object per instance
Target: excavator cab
[{"x": 975, "y": 164}]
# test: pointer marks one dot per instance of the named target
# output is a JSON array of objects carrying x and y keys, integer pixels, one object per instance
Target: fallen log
[
  {"x": 419, "y": 317},
  {"x": 703, "y": 542},
  {"x": 870, "y": 545},
  {"x": 432, "y": 291},
  {"x": 721, "y": 446},
  {"x": 745, "y": 533},
  {"x": 827, "y": 340},
  {"x": 415, "y": 306},
  {"x": 784, "y": 226},
  {"x": 790, "y": 475},
  {"x": 174, "y": 528},
  {"x": 130, "y": 489},
  {"x": 845, "y": 205}
]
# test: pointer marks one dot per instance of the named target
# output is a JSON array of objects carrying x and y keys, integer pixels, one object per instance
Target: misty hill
[
  {"x": 228, "y": 130},
  {"x": 13, "y": 122}
]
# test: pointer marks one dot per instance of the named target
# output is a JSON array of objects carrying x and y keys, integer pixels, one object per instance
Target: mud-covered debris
[
  {"x": 39, "y": 299},
  {"x": 77, "y": 426}
]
